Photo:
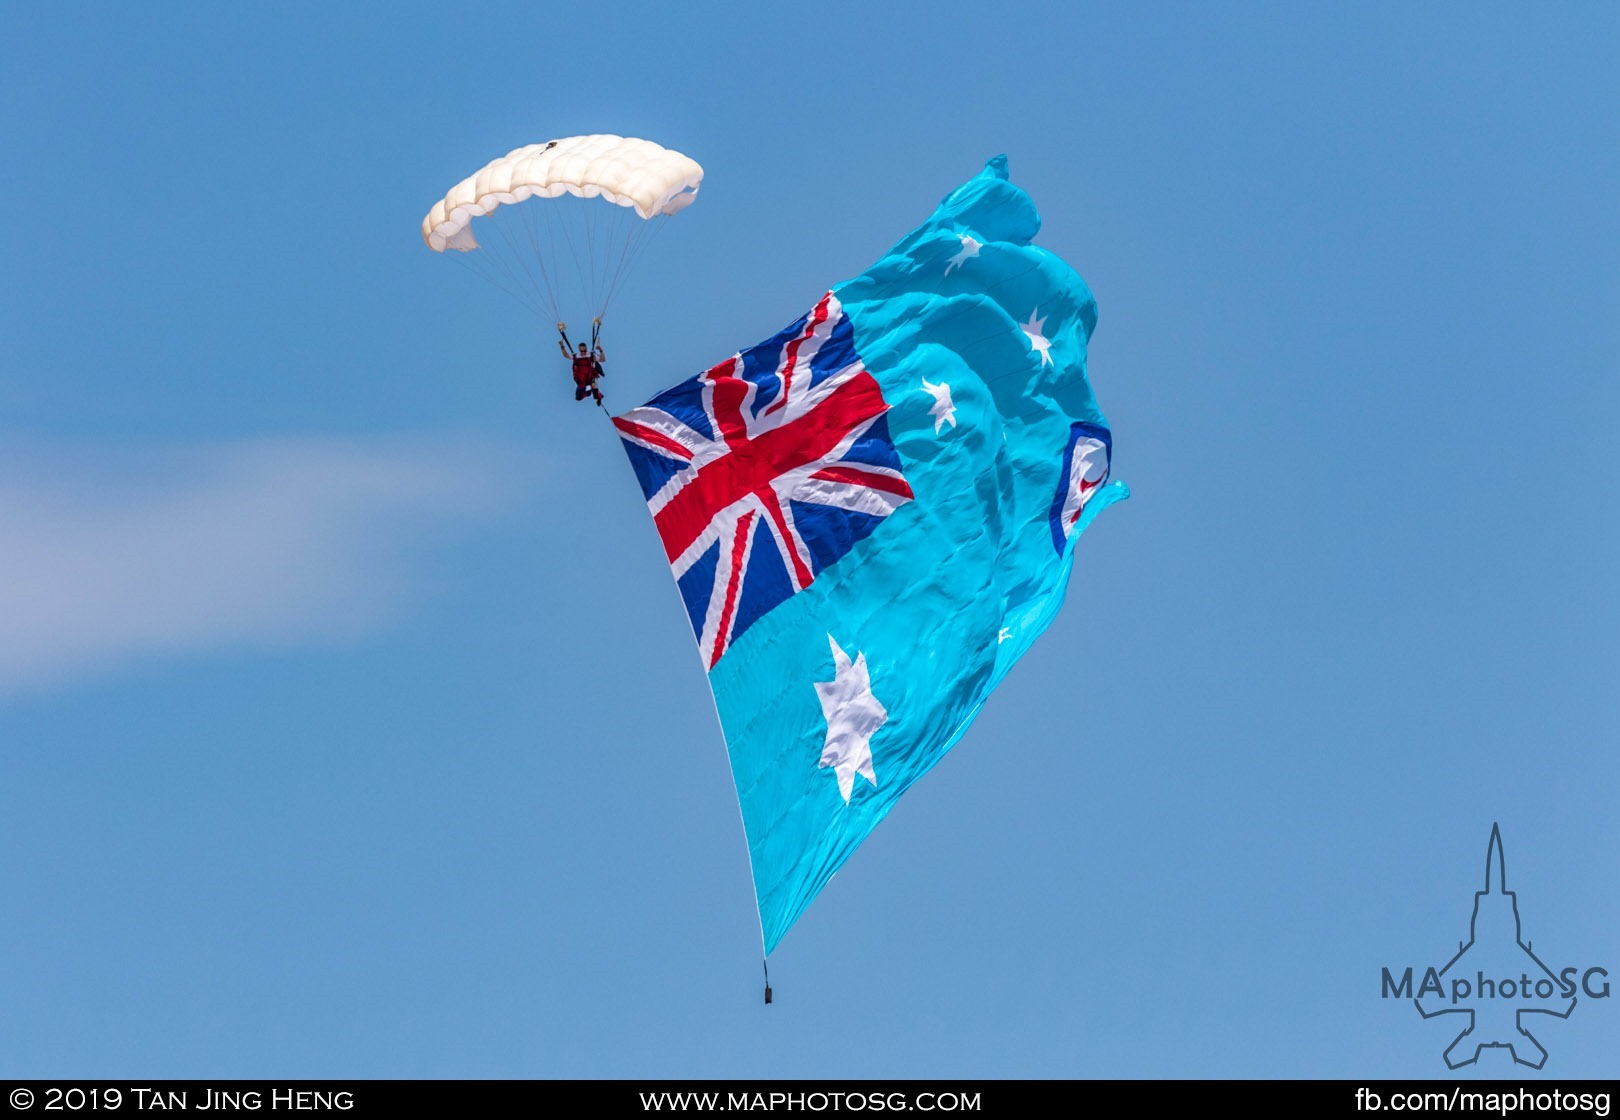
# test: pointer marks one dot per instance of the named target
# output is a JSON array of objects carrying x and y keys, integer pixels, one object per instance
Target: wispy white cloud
[{"x": 113, "y": 555}]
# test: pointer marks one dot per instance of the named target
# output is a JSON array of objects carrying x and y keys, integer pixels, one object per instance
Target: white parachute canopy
[{"x": 554, "y": 251}]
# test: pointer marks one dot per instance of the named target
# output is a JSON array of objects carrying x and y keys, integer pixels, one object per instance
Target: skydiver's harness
[
  {"x": 596, "y": 336},
  {"x": 589, "y": 382}
]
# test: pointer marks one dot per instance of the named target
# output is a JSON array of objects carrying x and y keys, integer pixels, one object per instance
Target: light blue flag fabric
[{"x": 870, "y": 517}]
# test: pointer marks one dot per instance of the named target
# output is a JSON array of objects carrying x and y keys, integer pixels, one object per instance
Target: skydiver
[{"x": 587, "y": 364}]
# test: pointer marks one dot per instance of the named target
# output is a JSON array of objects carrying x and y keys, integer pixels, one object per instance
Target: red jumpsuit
[{"x": 586, "y": 372}]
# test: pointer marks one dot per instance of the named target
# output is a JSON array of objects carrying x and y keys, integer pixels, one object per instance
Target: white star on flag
[
  {"x": 944, "y": 409},
  {"x": 1038, "y": 342},
  {"x": 970, "y": 248},
  {"x": 853, "y": 717}
]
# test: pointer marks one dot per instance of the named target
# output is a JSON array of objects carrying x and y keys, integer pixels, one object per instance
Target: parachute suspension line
[
  {"x": 522, "y": 260},
  {"x": 635, "y": 241},
  {"x": 531, "y": 227},
  {"x": 536, "y": 256},
  {"x": 625, "y": 252},
  {"x": 571, "y": 253},
  {"x": 590, "y": 248},
  {"x": 645, "y": 239},
  {"x": 767, "y": 963},
  {"x": 581, "y": 254},
  {"x": 550, "y": 251},
  {"x": 573, "y": 246},
  {"x": 479, "y": 266},
  {"x": 522, "y": 265}
]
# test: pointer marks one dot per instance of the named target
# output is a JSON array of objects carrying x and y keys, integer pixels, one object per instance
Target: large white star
[
  {"x": 944, "y": 409},
  {"x": 1038, "y": 342},
  {"x": 970, "y": 248},
  {"x": 853, "y": 717}
]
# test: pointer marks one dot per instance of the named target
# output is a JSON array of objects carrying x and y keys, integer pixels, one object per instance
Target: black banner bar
[{"x": 44, "y": 1098}]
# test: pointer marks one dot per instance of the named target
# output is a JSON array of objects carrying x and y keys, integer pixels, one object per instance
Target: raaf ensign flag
[{"x": 870, "y": 517}]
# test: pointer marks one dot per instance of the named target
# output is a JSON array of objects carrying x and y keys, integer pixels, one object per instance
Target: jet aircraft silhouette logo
[{"x": 1495, "y": 979}]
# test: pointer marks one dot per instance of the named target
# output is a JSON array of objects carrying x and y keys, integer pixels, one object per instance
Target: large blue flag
[{"x": 870, "y": 517}]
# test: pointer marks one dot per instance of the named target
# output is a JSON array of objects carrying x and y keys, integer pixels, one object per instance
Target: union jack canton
[{"x": 764, "y": 470}]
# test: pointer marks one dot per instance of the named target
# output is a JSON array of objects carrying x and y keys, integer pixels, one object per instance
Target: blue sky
[{"x": 350, "y": 725}]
